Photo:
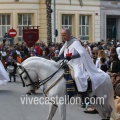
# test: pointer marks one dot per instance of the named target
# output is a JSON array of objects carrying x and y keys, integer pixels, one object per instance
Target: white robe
[
  {"x": 4, "y": 77},
  {"x": 118, "y": 52},
  {"x": 83, "y": 67},
  {"x": 97, "y": 64}
]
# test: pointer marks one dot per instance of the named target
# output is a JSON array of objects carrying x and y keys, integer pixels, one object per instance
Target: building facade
[
  {"x": 90, "y": 20},
  {"x": 83, "y": 20},
  {"x": 16, "y": 14},
  {"x": 110, "y": 17}
]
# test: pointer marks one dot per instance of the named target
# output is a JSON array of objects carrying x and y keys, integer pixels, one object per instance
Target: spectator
[
  {"x": 118, "y": 51},
  {"x": 99, "y": 45},
  {"x": 19, "y": 59},
  {"x": 88, "y": 49},
  {"x": 94, "y": 58},
  {"x": 103, "y": 65},
  {"x": 26, "y": 51},
  {"x": 11, "y": 67},
  {"x": 56, "y": 55},
  {"x": 38, "y": 50},
  {"x": 5, "y": 38},
  {"x": 3, "y": 53},
  {"x": 116, "y": 85},
  {"x": 95, "y": 51},
  {"x": 113, "y": 78},
  {"x": 112, "y": 50},
  {"x": 115, "y": 64},
  {"x": 44, "y": 54},
  {"x": 101, "y": 54}
]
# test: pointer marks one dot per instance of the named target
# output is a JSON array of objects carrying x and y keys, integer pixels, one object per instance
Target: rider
[
  {"x": 84, "y": 67},
  {"x": 81, "y": 62}
]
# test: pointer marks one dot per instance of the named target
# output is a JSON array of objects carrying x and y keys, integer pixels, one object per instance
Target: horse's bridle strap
[
  {"x": 46, "y": 91},
  {"x": 42, "y": 82},
  {"x": 22, "y": 78},
  {"x": 25, "y": 71}
]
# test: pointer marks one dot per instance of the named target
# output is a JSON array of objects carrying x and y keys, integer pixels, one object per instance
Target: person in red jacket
[{"x": 38, "y": 50}]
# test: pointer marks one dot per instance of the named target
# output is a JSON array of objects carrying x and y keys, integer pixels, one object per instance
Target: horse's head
[
  {"x": 34, "y": 68},
  {"x": 28, "y": 77}
]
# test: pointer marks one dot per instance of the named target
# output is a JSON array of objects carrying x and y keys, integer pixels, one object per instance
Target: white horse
[{"x": 40, "y": 68}]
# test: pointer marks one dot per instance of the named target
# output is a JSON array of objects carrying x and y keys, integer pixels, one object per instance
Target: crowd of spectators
[{"x": 103, "y": 53}]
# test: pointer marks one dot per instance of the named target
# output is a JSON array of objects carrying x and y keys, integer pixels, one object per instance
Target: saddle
[{"x": 69, "y": 70}]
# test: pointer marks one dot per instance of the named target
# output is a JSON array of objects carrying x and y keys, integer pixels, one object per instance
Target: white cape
[
  {"x": 4, "y": 77},
  {"x": 97, "y": 76},
  {"x": 118, "y": 52}
]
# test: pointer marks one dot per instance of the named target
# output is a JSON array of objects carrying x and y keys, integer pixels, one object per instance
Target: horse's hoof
[
  {"x": 28, "y": 93},
  {"x": 32, "y": 92}
]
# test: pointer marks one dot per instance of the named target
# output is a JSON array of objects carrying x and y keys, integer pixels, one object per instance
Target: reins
[{"x": 40, "y": 82}]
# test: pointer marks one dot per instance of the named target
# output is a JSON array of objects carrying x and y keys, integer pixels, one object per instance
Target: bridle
[
  {"x": 39, "y": 82},
  {"x": 35, "y": 84}
]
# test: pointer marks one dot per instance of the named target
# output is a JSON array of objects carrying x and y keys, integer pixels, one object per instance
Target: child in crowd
[{"x": 11, "y": 67}]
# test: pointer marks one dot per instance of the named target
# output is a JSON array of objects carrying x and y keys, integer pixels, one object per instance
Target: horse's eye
[{"x": 25, "y": 77}]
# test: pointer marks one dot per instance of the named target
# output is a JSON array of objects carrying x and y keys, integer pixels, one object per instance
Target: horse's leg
[
  {"x": 107, "y": 107},
  {"x": 103, "y": 94},
  {"x": 52, "y": 110},
  {"x": 101, "y": 111},
  {"x": 62, "y": 109}
]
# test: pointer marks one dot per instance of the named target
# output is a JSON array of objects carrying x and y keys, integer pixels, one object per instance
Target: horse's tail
[{"x": 114, "y": 114}]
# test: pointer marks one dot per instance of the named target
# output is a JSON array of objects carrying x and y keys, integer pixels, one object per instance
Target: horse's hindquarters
[{"x": 104, "y": 98}]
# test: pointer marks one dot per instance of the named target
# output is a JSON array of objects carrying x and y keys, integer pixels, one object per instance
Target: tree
[{"x": 49, "y": 26}]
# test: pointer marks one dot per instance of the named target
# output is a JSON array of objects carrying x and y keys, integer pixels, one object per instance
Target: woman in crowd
[
  {"x": 115, "y": 64},
  {"x": 101, "y": 54}
]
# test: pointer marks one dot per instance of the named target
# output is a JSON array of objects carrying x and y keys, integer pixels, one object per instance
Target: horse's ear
[{"x": 20, "y": 66}]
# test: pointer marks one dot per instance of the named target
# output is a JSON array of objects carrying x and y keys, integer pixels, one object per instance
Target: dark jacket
[
  {"x": 104, "y": 67},
  {"x": 115, "y": 68}
]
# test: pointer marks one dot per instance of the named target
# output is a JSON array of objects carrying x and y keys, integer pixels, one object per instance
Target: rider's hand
[{"x": 68, "y": 58}]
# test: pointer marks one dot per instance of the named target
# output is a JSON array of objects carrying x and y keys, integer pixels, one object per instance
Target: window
[
  {"x": 23, "y": 20},
  {"x": 4, "y": 24},
  {"x": 111, "y": 22},
  {"x": 84, "y": 27},
  {"x": 67, "y": 22}
]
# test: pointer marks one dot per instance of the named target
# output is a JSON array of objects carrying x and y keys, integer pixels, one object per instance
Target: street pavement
[{"x": 11, "y": 107}]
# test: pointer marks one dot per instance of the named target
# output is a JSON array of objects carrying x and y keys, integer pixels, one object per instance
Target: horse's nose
[{"x": 25, "y": 77}]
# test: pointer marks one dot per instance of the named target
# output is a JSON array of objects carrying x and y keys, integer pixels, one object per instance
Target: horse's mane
[{"x": 42, "y": 60}]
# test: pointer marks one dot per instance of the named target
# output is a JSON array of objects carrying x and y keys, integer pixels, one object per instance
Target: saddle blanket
[{"x": 70, "y": 85}]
